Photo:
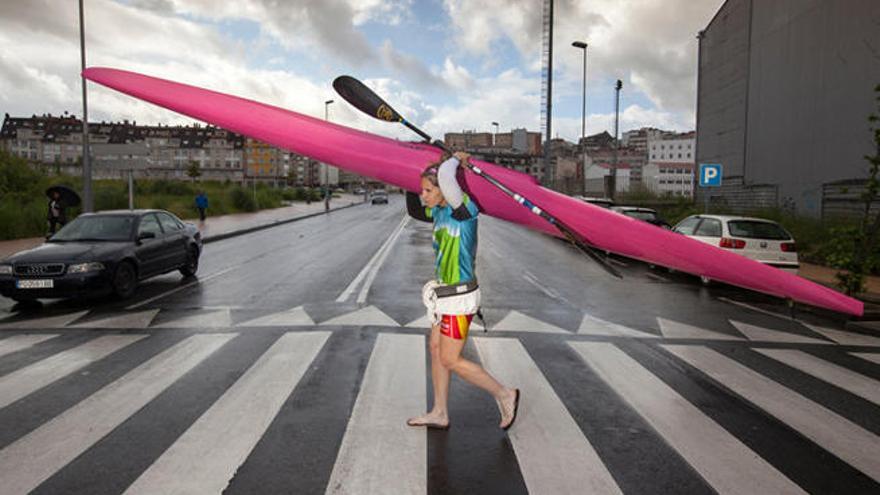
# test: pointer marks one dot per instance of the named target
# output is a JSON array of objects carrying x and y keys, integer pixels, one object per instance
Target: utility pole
[
  {"x": 495, "y": 136},
  {"x": 583, "y": 45},
  {"x": 613, "y": 181},
  {"x": 88, "y": 201},
  {"x": 326, "y": 171}
]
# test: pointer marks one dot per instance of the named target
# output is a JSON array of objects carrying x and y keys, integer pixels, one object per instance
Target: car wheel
[
  {"x": 124, "y": 280},
  {"x": 192, "y": 263}
]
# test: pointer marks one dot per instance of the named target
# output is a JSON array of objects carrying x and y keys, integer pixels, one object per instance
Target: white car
[{"x": 761, "y": 240}]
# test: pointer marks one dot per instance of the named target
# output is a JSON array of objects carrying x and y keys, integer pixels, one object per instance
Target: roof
[
  {"x": 727, "y": 218},
  {"x": 122, "y": 212}
]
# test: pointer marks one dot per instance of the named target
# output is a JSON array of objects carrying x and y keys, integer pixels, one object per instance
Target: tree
[
  {"x": 861, "y": 255},
  {"x": 193, "y": 170}
]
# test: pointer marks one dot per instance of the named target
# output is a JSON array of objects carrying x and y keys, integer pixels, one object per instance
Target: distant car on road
[
  {"x": 756, "y": 238},
  {"x": 379, "y": 196},
  {"x": 360, "y": 190},
  {"x": 644, "y": 214},
  {"x": 100, "y": 253}
]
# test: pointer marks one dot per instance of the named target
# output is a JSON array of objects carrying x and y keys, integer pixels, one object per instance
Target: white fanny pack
[{"x": 463, "y": 299}]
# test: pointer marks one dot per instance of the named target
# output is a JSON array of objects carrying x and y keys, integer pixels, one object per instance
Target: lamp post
[
  {"x": 617, "y": 88},
  {"x": 495, "y": 136},
  {"x": 583, "y": 46},
  {"x": 326, "y": 172},
  {"x": 88, "y": 201}
]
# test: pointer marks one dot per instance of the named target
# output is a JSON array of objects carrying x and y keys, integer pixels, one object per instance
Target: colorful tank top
[{"x": 455, "y": 243}]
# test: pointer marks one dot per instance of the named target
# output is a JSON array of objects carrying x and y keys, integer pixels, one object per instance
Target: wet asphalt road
[{"x": 292, "y": 362}]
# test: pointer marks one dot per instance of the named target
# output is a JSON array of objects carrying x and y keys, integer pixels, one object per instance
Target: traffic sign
[{"x": 710, "y": 175}]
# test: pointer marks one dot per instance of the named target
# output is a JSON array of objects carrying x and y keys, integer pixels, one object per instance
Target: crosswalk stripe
[
  {"x": 519, "y": 322},
  {"x": 716, "y": 454},
  {"x": 553, "y": 453},
  {"x": 838, "y": 376},
  {"x": 754, "y": 332},
  {"x": 58, "y": 321},
  {"x": 591, "y": 325},
  {"x": 16, "y": 343},
  {"x": 676, "y": 330},
  {"x": 30, "y": 460},
  {"x": 379, "y": 452},
  {"x": 845, "y": 338},
  {"x": 206, "y": 456},
  {"x": 25, "y": 381},
  {"x": 292, "y": 317},
  {"x": 371, "y": 315},
  {"x": 874, "y": 358},
  {"x": 848, "y": 441}
]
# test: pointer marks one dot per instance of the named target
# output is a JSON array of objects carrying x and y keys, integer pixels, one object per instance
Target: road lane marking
[
  {"x": 59, "y": 321},
  {"x": 371, "y": 315},
  {"x": 140, "y": 319},
  {"x": 371, "y": 277},
  {"x": 206, "y": 456},
  {"x": 182, "y": 287},
  {"x": 212, "y": 319},
  {"x": 844, "y": 338},
  {"x": 292, "y": 317},
  {"x": 519, "y": 322},
  {"x": 676, "y": 330},
  {"x": 369, "y": 266},
  {"x": 761, "y": 334},
  {"x": 591, "y": 325},
  {"x": 553, "y": 454},
  {"x": 16, "y": 343},
  {"x": 836, "y": 434},
  {"x": 838, "y": 376},
  {"x": 29, "y": 379},
  {"x": 755, "y": 308},
  {"x": 33, "y": 458},
  {"x": 719, "y": 457},
  {"x": 379, "y": 452},
  {"x": 874, "y": 358}
]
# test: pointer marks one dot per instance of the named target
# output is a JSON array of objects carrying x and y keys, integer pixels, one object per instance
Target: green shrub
[{"x": 242, "y": 200}]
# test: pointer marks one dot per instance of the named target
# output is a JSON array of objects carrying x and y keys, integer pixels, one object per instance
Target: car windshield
[
  {"x": 96, "y": 228},
  {"x": 641, "y": 215},
  {"x": 757, "y": 230}
]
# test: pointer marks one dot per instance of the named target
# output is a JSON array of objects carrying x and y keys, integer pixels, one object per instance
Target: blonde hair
[{"x": 431, "y": 170}]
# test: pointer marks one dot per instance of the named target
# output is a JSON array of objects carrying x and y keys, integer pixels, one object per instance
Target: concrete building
[
  {"x": 784, "y": 92},
  {"x": 670, "y": 178},
  {"x": 468, "y": 140},
  {"x": 597, "y": 174}
]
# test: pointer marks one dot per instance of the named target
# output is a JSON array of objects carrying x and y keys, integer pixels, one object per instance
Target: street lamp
[
  {"x": 583, "y": 46},
  {"x": 495, "y": 137},
  {"x": 326, "y": 171},
  {"x": 88, "y": 200},
  {"x": 617, "y": 88}
]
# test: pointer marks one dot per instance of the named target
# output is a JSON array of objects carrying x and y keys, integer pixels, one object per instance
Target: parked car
[
  {"x": 603, "y": 202},
  {"x": 360, "y": 190},
  {"x": 644, "y": 214},
  {"x": 100, "y": 253},
  {"x": 379, "y": 196},
  {"x": 756, "y": 238}
]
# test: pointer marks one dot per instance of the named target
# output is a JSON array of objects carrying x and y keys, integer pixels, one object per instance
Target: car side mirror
[{"x": 146, "y": 235}]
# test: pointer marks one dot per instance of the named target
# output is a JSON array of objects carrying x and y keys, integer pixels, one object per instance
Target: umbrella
[{"x": 69, "y": 197}]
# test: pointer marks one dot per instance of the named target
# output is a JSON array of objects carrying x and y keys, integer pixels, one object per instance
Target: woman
[
  {"x": 56, "y": 216},
  {"x": 454, "y": 298}
]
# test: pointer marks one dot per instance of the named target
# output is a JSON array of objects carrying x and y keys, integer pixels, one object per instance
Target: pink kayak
[{"x": 399, "y": 163}]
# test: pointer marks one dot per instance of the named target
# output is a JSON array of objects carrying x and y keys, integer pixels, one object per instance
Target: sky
[{"x": 446, "y": 65}]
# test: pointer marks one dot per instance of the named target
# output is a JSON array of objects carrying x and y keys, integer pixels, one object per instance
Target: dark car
[
  {"x": 101, "y": 253},
  {"x": 644, "y": 214},
  {"x": 379, "y": 197}
]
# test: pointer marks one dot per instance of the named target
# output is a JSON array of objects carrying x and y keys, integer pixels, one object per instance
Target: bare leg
[
  {"x": 439, "y": 414},
  {"x": 450, "y": 357}
]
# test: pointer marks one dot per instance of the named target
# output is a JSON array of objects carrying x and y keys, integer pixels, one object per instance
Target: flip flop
[
  {"x": 428, "y": 425},
  {"x": 515, "y": 409}
]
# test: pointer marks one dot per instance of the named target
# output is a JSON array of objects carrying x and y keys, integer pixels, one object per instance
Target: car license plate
[{"x": 35, "y": 284}]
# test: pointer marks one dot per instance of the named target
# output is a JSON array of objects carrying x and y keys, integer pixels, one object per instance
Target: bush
[{"x": 242, "y": 200}]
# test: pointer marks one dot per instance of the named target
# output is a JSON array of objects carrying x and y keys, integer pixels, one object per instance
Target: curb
[{"x": 248, "y": 230}]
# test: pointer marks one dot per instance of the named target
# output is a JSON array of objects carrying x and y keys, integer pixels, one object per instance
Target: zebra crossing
[{"x": 325, "y": 408}]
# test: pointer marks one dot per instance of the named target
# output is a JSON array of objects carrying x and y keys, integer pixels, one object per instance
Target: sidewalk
[
  {"x": 222, "y": 227},
  {"x": 826, "y": 276}
]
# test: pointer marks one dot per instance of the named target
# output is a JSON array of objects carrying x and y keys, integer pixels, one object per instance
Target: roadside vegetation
[{"x": 23, "y": 202}]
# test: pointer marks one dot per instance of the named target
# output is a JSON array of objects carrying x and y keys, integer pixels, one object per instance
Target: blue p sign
[{"x": 710, "y": 175}]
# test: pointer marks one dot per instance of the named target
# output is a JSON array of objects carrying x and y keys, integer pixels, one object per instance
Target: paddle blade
[{"x": 364, "y": 99}]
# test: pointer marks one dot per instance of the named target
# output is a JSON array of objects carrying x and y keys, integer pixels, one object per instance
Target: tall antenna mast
[{"x": 547, "y": 87}]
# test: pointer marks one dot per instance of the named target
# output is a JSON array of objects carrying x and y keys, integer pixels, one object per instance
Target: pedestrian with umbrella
[{"x": 60, "y": 198}]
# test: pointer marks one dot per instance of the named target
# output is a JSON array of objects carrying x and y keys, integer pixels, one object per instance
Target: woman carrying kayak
[{"x": 454, "y": 298}]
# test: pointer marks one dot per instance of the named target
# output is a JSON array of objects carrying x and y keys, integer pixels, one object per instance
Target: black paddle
[{"x": 365, "y": 100}]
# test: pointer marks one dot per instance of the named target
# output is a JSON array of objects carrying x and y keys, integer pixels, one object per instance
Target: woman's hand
[{"x": 462, "y": 157}]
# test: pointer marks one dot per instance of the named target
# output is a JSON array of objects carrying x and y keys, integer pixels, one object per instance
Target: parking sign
[{"x": 710, "y": 175}]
